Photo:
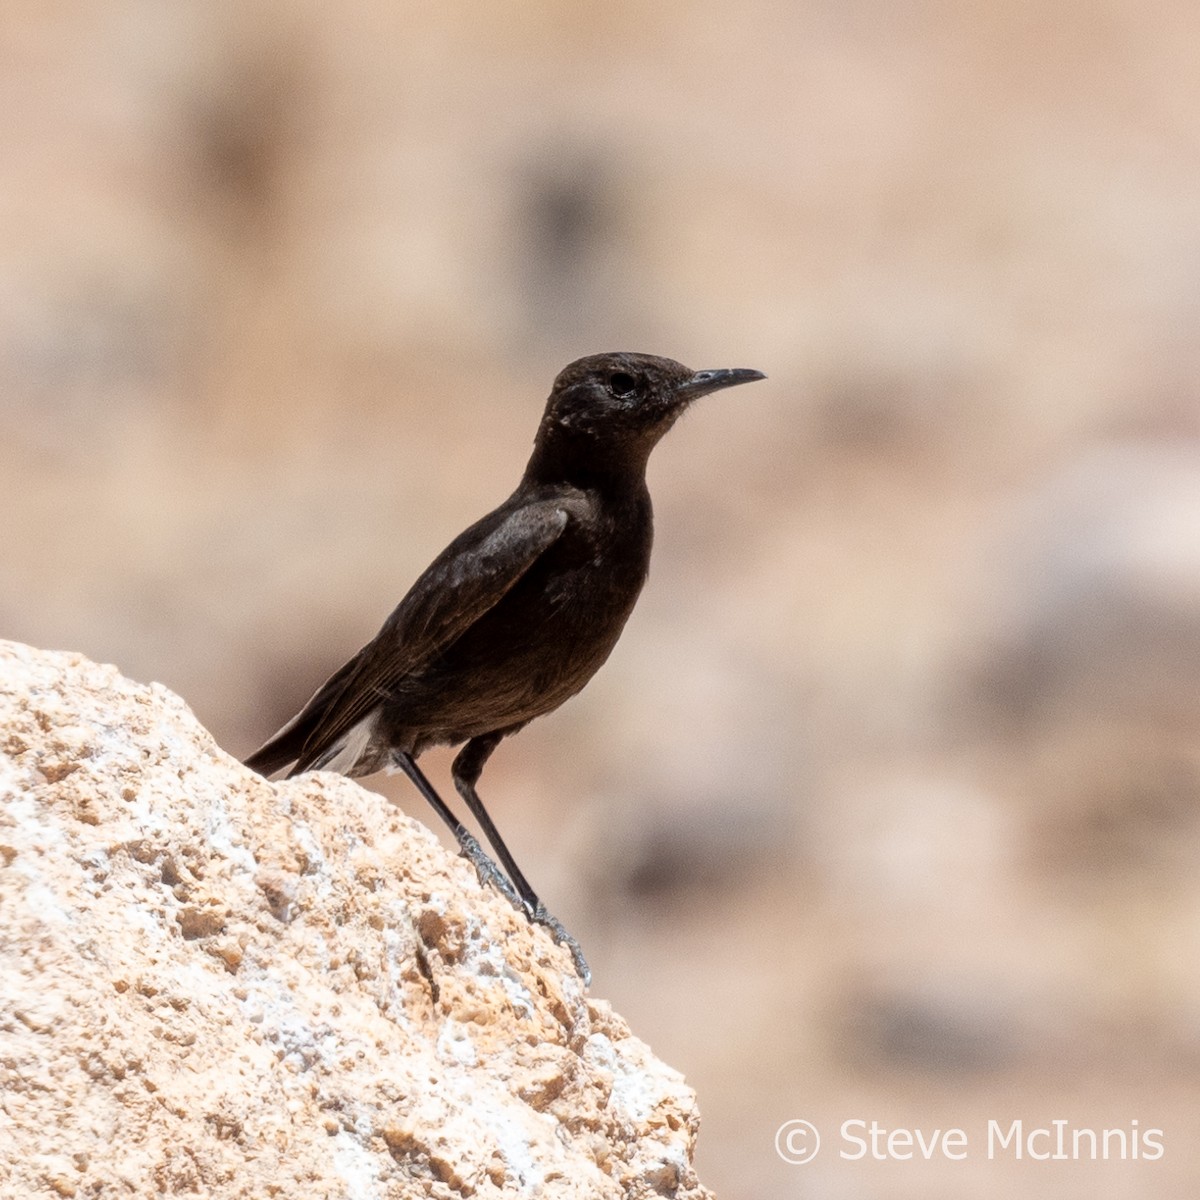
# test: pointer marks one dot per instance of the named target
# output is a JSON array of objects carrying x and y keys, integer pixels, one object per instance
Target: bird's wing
[{"x": 471, "y": 575}]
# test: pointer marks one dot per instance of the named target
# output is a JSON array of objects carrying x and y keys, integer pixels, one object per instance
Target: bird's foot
[
  {"x": 539, "y": 916},
  {"x": 487, "y": 870}
]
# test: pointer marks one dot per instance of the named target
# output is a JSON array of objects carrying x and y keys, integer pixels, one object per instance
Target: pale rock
[{"x": 213, "y": 985}]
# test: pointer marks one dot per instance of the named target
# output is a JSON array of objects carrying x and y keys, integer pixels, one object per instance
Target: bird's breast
[
  {"x": 579, "y": 595},
  {"x": 551, "y": 632}
]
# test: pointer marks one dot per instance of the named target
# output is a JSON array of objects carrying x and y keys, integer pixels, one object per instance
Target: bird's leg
[
  {"x": 487, "y": 870},
  {"x": 467, "y": 767}
]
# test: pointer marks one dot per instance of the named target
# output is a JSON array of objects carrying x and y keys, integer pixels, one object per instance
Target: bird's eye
[{"x": 622, "y": 385}]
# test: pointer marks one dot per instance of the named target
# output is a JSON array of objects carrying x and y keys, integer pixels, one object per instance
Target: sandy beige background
[{"x": 886, "y": 805}]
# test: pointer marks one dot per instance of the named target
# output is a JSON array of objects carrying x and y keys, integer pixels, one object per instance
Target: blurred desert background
[{"x": 886, "y": 805}]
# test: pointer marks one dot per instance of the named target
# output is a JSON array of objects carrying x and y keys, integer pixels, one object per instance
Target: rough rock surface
[{"x": 212, "y": 985}]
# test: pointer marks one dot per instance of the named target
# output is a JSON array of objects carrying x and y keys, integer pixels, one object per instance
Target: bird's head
[{"x": 611, "y": 409}]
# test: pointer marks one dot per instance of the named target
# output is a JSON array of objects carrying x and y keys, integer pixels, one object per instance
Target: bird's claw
[
  {"x": 539, "y": 916},
  {"x": 488, "y": 872}
]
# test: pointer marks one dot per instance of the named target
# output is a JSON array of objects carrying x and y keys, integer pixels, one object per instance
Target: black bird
[{"x": 518, "y": 612}]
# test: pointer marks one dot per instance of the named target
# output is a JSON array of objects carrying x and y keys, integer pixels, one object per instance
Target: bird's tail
[
  {"x": 284, "y": 748},
  {"x": 290, "y": 744}
]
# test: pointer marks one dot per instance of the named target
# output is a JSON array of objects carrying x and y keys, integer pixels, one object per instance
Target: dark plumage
[{"x": 519, "y": 611}]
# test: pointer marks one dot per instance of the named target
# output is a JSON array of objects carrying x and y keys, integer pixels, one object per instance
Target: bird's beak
[{"x": 704, "y": 382}]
